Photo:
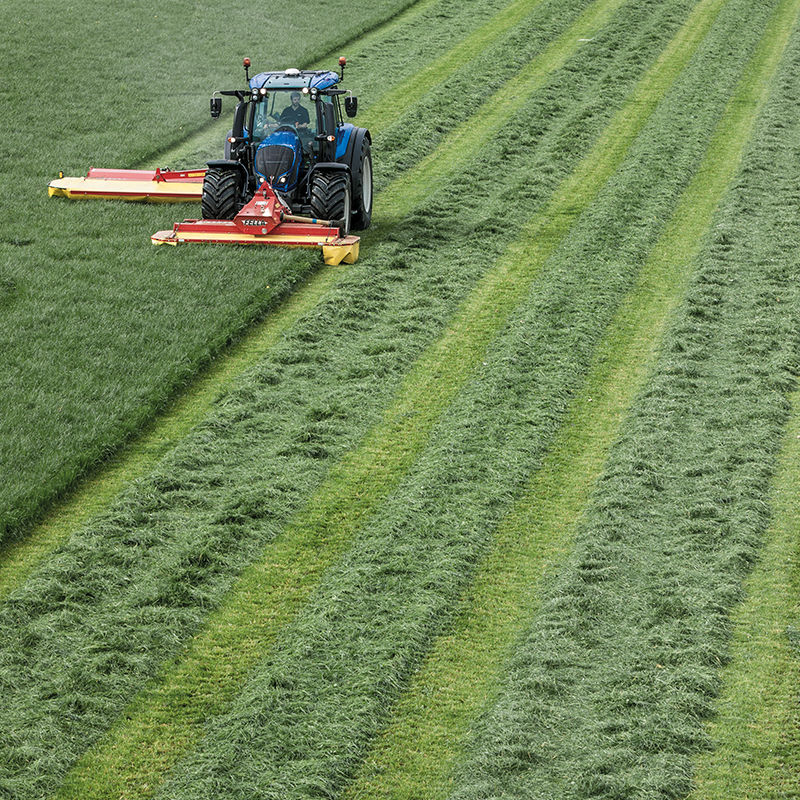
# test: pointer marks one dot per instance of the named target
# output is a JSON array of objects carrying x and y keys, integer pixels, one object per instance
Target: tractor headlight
[{"x": 263, "y": 90}]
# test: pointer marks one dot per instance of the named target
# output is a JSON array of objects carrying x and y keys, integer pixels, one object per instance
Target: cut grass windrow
[
  {"x": 606, "y": 693},
  {"x": 389, "y": 108},
  {"x": 353, "y": 490},
  {"x": 416, "y": 756},
  {"x": 756, "y": 730},
  {"x": 18, "y": 558},
  {"x": 756, "y": 734},
  {"x": 470, "y": 136}
]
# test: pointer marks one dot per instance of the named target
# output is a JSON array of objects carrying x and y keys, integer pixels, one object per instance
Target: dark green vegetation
[
  {"x": 430, "y": 432},
  {"x": 98, "y": 328}
]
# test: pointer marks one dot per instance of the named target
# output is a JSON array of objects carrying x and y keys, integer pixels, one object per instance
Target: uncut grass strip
[
  {"x": 34, "y": 545},
  {"x": 607, "y": 692},
  {"x": 146, "y": 726},
  {"x": 19, "y": 557},
  {"x": 756, "y": 732},
  {"x": 186, "y": 480}
]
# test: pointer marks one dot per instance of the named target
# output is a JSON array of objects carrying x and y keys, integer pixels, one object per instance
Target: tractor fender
[
  {"x": 224, "y": 163},
  {"x": 352, "y": 155},
  {"x": 333, "y": 166},
  {"x": 354, "y": 142}
]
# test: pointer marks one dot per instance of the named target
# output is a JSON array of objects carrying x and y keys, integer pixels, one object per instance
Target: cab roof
[{"x": 295, "y": 79}]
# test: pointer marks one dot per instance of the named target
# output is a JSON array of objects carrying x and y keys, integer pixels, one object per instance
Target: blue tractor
[{"x": 289, "y": 131}]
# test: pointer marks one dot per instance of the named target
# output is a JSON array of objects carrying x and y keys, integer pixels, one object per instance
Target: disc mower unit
[
  {"x": 151, "y": 186},
  {"x": 267, "y": 219},
  {"x": 294, "y": 173}
]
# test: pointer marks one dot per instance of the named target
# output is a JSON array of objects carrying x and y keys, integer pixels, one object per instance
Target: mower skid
[{"x": 150, "y": 186}]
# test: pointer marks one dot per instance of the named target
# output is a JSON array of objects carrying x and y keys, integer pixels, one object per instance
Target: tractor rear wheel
[
  {"x": 220, "y": 193},
  {"x": 331, "y": 198},
  {"x": 362, "y": 188}
]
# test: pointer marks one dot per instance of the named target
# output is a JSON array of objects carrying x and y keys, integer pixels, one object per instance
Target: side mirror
[
  {"x": 216, "y": 107},
  {"x": 350, "y": 106}
]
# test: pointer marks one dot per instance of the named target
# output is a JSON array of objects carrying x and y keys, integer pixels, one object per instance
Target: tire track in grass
[
  {"x": 166, "y": 719},
  {"x": 758, "y": 729},
  {"x": 18, "y": 559},
  {"x": 416, "y": 755}
]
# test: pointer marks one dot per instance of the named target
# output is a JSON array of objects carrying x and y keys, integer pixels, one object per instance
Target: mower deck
[
  {"x": 264, "y": 220},
  {"x": 151, "y": 186}
]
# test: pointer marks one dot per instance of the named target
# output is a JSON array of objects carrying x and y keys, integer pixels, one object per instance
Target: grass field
[{"x": 504, "y": 509}]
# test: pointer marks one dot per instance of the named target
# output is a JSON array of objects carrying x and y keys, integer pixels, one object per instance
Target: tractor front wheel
[
  {"x": 220, "y": 193},
  {"x": 331, "y": 198}
]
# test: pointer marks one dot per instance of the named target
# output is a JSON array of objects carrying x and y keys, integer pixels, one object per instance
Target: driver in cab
[{"x": 294, "y": 114}]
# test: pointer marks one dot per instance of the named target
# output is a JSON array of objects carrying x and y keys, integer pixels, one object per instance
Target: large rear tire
[
  {"x": 331, "y": 198},
  {"x": 362, "y": 188},
  {"x": 220, "y": 193}
]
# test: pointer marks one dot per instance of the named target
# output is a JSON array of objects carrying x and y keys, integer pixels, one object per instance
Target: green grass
[
  {"x": 20, "y": 557},
  {"x": 607, "y": 690},
  {"x": 304, "y": 438},
  {"x": 101, "y": 330},
  {"x": 248, "y": 616},
  {"x": 172, "y": 701},
  {"x": 755, "y": 728},
  {"x": 756, "y": 731},
  {"x": 197, "y": 488},
  {"x": 296, "y": 727}
]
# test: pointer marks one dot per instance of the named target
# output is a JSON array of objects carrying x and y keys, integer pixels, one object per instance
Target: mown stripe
[
  {"x": 758, "y": 729},
  {"x": 19, "y": 558},
  {"x": 756, "y": 732},
  {"x": 416, "y": 754},
  {"x": 270, "y": 592},
  {"x": 469, "y": 137}
]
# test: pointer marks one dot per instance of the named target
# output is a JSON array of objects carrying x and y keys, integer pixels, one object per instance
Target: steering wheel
[{"x": 287, "y": 128}]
